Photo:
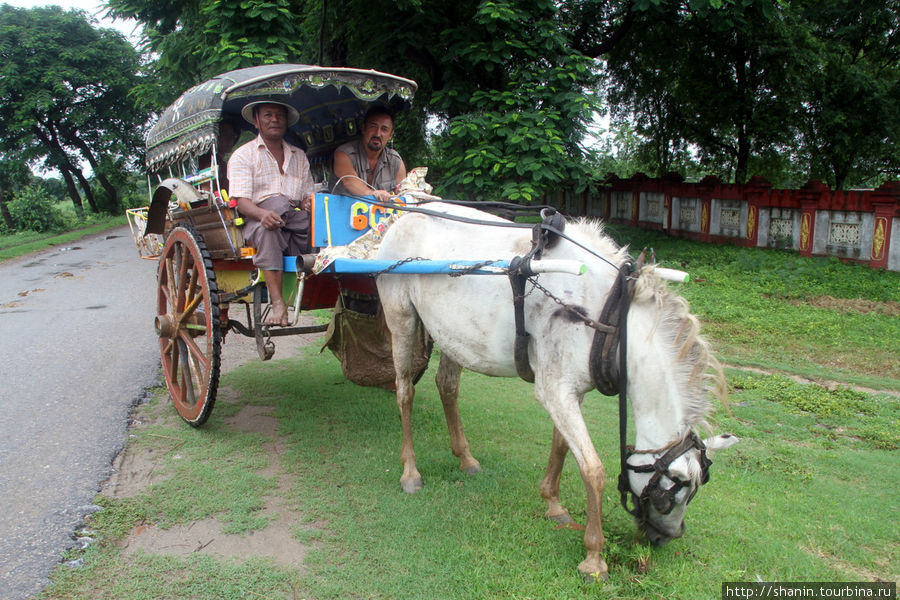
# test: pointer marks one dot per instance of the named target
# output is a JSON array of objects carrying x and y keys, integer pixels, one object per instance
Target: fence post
[
  {"x": 886, "y": 202},
  {"x": 705, "y": 189},
  {"x": 809, "y": 196},
  {"x": 756, "y": 194}
]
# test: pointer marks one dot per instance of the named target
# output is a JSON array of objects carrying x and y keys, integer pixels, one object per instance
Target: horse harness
[
  {"x": 608, "y": 329},
  {"x": 610, "y": 378}
]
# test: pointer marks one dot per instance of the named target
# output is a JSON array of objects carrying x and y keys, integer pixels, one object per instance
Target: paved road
[{"x": 77, "y": 349}]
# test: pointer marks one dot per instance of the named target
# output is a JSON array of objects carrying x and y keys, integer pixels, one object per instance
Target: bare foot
[{"x": 278, "y": 315}]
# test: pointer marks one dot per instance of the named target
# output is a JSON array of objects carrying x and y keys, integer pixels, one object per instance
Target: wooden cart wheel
[{"x": 187, "y": 323}]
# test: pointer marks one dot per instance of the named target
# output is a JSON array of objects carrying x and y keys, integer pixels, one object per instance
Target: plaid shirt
[{"x": 253, "y": 173}]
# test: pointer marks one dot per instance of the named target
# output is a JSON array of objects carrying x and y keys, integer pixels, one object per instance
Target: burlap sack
[{"x": 359, "y": 338}]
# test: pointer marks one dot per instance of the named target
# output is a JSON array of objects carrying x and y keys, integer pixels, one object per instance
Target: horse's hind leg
[
  {"x": 402, "y": 323},
  {"x": 550, "y": 485},
  {"x": 447, "y": 381}
]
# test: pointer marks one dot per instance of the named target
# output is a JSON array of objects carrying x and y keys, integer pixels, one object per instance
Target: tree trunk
[
  {"x": 111, "y": 191},
  {"x": 65, "y": 166},
  {"x": 840, "y": 177},
  {"x": 742, "y": 159},
  {"x": 4, "y": 211},
  {"x": 73, "y": 191},
  {"x": 86, "y": 188}
]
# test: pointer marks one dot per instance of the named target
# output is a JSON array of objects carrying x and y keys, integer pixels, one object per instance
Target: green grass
[
  {"x": 485, "y": 536},
  {"x": 776, "y": 310},
  {"x": 809, "y": 493},
  {"x": 26, "y": 242}
]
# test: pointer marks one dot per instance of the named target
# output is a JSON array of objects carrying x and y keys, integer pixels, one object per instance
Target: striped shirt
[{"x": 253, "y": 173}]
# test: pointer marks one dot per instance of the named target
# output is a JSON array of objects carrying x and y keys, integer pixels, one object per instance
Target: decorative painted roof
[{"x": 331, "y": 102}]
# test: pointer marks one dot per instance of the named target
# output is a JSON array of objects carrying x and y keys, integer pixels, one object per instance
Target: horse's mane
[
  {"x": 699, "y": 372},
  {"x": 590, "y": 232}
]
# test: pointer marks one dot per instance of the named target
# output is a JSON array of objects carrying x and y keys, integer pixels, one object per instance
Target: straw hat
[{"x": 292, "y": 115}]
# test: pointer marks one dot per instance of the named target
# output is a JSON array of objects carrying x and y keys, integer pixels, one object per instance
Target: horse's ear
[{"x": 720, "y": 442}]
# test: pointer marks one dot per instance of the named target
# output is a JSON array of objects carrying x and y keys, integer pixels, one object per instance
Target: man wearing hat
[{"x": 270, "y": 179}]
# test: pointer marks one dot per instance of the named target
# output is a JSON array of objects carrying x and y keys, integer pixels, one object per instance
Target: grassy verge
[
  {"x": 776, "y": 310},
  {"x": 809, "y": 493},
  {"x": 484, "y": 536},
  {"x": 26, "y": 242}
]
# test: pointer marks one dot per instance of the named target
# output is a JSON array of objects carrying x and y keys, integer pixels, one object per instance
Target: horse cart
[
  {"x": 207, "y": 284},
  {"x": 566, "y": 332}
]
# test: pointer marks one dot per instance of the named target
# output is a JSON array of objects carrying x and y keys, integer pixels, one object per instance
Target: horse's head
[{"x": 663, "y": 482}]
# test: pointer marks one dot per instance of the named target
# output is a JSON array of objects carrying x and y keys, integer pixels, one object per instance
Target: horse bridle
[
  {"x": 662, "y": 499},
  {"x": 610, "y": 335}
]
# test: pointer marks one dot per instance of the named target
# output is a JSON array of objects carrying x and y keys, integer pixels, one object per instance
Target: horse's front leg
[
  {"x": 565, "y": 410},
  {"x": 447, "y": 381},
  {"x": 550, "y": 485}
]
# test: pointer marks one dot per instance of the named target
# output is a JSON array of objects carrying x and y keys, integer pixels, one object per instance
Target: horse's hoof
[
  {"x": 472, "y": 469},
  {"x": 562, "y": 518},
  {"x": 411, "y": 486},
  {"x": 598, "y": 577},
  {"x": 594, "y": 571}
]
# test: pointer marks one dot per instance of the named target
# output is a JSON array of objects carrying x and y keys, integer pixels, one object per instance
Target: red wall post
[
  {"x": 809, "y": 196},
  {"x": 886, "y": 202},
  {"x": 756, "y": 195}
]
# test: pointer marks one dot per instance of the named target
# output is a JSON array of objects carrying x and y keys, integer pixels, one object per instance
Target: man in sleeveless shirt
[
  {"x": 270, "y": 179},
  {"x": 366, "y": 166}
]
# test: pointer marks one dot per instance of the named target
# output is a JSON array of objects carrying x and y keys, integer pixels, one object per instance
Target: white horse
[{"x": 471, "y": 320}]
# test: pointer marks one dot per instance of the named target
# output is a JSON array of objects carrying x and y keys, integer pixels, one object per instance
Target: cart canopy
[{"x": 331, "y": 101}]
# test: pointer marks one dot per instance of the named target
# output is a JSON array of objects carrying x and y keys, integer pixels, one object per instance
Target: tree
[
  {"x": 507, "y": 87},
  {"x": 852, "y": 118},
  {"x": 64, "y": 95},
  {"x": 13, "y": 175},
  {"x": 722, "y": 81},
  {"x": 764, "y": 87},
  {"x": 508, "y": 95},
  {"x": 195, "y": 40}
]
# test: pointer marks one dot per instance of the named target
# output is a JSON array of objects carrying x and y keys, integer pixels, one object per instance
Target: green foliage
[
  {"x": 194, "y": 41},
  {"x": 790, "y": 91},
  {"x": 34, "y": 210},
  {"x": 514, "y": 133},
  {"x": 64, "y": 94},
  {"x": 851, "y": 123},
  {"x": 732, "y": 88},
  {"x": 710, "y": 80}
]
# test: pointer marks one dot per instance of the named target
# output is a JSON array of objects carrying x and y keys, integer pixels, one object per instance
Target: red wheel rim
[{"x": 188, "y": 325}]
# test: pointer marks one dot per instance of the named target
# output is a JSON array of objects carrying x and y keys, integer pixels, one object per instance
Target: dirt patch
[
  {"x": 851, "y": 305},
  {"x": 275, "y": 542},
  {"x": 134, "y": 471},
  {"x": 136, "y": 468}
]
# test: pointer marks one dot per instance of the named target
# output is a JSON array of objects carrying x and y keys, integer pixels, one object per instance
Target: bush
[{"x": 33, "y": 209}]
